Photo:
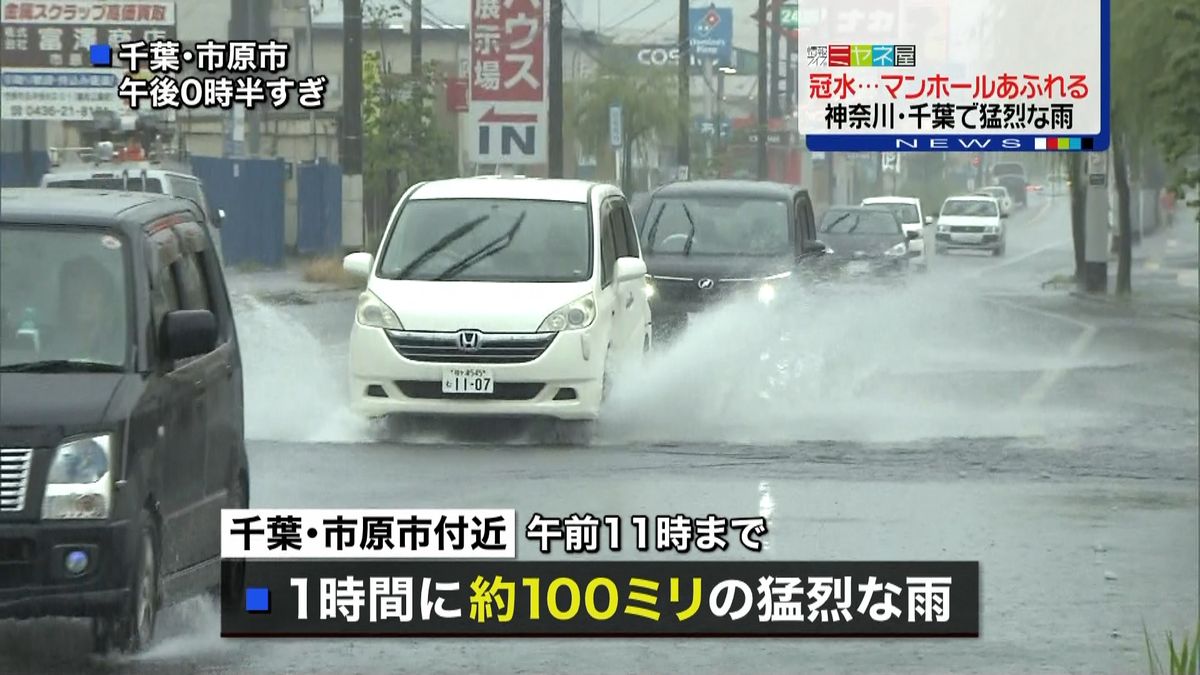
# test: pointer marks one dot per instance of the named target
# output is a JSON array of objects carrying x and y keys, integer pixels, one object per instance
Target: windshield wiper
[
  {"x": 440, "y": 245},
  {"x": 654, "y": 229},
  {"x": 486, "y": 251},
  {"x": 829, "y": 228},
  {"x": 687, "y": 245},
  {"x": 62, "y": 366}
]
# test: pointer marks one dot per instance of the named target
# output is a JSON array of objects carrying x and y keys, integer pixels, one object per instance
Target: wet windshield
[
  {"x": 864, "y": 221},
  {"x": 977, "y": 208},
  {"x": 905, "y": 213},
  {"x": 63, "y": 297},
  {"x": 490, "y": 240},
  {"x": 133, "y": 184},
  {"x": 717, "y": 226}
]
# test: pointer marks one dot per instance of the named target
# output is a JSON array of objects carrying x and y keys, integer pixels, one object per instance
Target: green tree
[
  {"x": 650, "y": 110},
  {"x": 403, "y": 142},
  {"x": 1176, "y": 92}
]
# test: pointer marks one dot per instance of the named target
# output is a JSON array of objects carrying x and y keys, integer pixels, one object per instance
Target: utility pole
[
  {"x": 762, "y": 90},
  {"x": 685, "y": 94},
  {"x": 415, "y": 22},
  {"x": 312, "y": 70},
  {"x": 554, "y": 91},
  {"x": 774, "y": 70},
  {"x": 351, "y": 155}
]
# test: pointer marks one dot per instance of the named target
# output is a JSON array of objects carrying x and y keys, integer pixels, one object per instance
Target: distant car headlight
[
  {"x": 992, "y": 229},
  {"x": 766, "y": 293},
  {"x": 649, "y": 287},
  {"x": 943, "y": 229},
  {"x": 374, "y": 313},
  {"x": 578, "y": 314},
  {"x": 897, "y": 250},
  {"x": 79, "y": 483}
]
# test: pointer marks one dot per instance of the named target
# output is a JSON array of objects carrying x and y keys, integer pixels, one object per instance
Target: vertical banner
[{"x": 508, "y": 75}]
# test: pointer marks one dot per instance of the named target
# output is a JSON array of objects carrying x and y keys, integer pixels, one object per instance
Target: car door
[
  {"x": 608, "y": 306},
  {"x": 175, "y": 390},
  {"x": 211, "y": 377},
  {"x": 630, "y": 293}
]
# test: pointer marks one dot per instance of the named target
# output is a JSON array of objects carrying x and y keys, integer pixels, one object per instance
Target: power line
[{"x": 631, "y": 17}]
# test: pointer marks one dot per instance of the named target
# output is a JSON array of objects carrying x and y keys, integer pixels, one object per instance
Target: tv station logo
[{"x": 862, "y": 56}]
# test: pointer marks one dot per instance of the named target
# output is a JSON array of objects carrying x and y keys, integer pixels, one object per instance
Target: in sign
[{"x": 516, "y": 134}]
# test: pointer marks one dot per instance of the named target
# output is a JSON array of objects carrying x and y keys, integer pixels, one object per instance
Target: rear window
[
  {"x": 134, "y": 184},
  {"x": 905, "y": 213},
  {"x": 976, "y": 207}
]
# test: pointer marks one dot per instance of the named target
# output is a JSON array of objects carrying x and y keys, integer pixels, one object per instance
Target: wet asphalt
[{"x": 967, "y": 416}]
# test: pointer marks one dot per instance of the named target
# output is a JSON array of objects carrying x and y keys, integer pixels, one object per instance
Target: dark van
[{"x": 121, "y": 429}]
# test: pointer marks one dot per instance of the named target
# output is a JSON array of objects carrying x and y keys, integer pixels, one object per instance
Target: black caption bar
[{"x": 599, "y": 599}]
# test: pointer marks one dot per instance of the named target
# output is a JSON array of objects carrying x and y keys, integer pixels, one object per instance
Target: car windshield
[
  {"x": 134, "y": 184},
  {"x": 717, "y": 226},
  {"x": 63, "y": 299},
  {"x": 859, "y": 221},
  {"x": 490, "y": 240},
  {"x": 905, "y": 213},
  {"x": 978, "y": 208}
]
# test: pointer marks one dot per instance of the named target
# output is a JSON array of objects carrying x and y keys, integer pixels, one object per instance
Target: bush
[{"x": 328, "y": 270}]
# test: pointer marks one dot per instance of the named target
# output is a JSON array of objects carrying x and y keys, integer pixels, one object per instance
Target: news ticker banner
[
  {"x": 590, "y": 598},
  {"x": 967, "y": 75}
]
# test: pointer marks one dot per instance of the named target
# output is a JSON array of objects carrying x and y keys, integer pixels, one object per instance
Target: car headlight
[
  {"x": 944, "y": 229},
  {"x": 578, "y": 314},
  {"x": 649, "y": 288},
  {"x": 897, "y": 250},
  {"x": 372, "y": 312},
  {"x": 79, "y": 484},
  {"x": 766, "y": 293}
]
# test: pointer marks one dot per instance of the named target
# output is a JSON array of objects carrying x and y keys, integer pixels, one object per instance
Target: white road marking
[{"x": 1049, "y": 377}]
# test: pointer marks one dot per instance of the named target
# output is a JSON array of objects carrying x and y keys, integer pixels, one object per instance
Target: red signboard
[
  {"x": 456, "y": 95},
  {"x": 508, "y": 50}
]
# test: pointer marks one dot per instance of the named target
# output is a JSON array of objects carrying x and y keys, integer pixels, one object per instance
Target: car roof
[
  {"x": 970, "y": 198},
  {"x": 88, "y": 208},
  {"x": 735, "y": 188},
  {"x": 511, "y": 187},
  {"x": 891, "y": 200},
  {"x": 135, "y": 170}
]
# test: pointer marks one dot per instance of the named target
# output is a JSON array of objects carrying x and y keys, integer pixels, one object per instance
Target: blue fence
[
  {"x": 251, "y": 191},
  {"x": 12, "y": 169},
  {"x": 319, "y": 208}
]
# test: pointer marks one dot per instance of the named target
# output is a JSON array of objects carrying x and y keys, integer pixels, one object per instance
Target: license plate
[
  {"x": 970, "y": 238},
  {"x": 467, "y": 381},
  {"x": 858, "y": 267}
]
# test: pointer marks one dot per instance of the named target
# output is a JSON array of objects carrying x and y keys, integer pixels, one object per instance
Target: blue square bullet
[
  {"x": 101, "y": 55},
  {"x": 258, "y": 600}
]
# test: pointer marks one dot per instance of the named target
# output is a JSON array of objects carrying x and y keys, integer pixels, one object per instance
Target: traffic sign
[{"x": 615, "y": 131}]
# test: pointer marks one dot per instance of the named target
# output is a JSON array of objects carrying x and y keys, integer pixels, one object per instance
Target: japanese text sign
[
  {"x": 602, "y": 599},
  {"x": 973, "y": 75},
  {"x": 507, "y": 90},
  {"x": 59, "y": 34}
]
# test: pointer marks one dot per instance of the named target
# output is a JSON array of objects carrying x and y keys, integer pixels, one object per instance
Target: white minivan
[{"x": 500, "y": 296}]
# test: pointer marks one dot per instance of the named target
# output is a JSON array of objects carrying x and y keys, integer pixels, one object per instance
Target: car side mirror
[
  {"x": 188, "y": 332},
  {"x": 220, "y": 220},
  {"x": 628, "y": 269},
  {"x": 358, "y": 264},
  {"x": 928, "y": 220},
  {"x": 912, "y": 234}
]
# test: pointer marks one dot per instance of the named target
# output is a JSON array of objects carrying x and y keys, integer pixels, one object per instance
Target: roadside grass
[
  {"x": 1182, "y": 658},
  {"x": 328, "y": 270}
]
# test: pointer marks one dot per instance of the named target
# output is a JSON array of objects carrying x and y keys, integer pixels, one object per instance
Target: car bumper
[
  {"x": 565, "y": 382},
  {"x": 34, "y": 582},
  {"x": 977, "y": 241}
]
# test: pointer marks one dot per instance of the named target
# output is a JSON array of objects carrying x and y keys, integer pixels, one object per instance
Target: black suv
[
  {"x": 706, "y": 241},
  {"x": 121, "y": 429}
]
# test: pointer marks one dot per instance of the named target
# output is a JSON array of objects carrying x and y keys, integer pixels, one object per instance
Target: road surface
[{"x": 969, "y": 415}]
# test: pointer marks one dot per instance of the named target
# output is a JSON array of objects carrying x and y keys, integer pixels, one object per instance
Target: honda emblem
[{"x": 468, "y": 340}]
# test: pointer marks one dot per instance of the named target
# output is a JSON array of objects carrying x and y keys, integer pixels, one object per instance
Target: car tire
[
  {"x": 131, "y": 628},
  {"x": 575, "y": 433}
]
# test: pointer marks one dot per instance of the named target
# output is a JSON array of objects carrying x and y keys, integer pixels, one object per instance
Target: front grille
[
  {"x": 492, "y": 347},
  {"x": 14, "y": 478},
  {"x": 689, "y": 291},
  {"x": 966, "y": 229},
  {"x": 502, "y": 391}
]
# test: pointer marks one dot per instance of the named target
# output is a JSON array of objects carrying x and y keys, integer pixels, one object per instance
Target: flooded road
[{"x": 966, "y": 416}]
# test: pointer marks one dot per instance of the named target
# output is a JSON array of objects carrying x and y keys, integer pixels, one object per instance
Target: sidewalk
[
  {"x": 285, "y": 285},
  {"x": 1166, "y": 272}
]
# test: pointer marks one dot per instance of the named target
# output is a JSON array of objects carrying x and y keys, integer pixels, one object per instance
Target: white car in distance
[
  {"x": 908, "y": 211},
  {"x": 1000, "y": 194},
  {"x": 971, "y": 222},
  {"x": 500, "y": 296}
]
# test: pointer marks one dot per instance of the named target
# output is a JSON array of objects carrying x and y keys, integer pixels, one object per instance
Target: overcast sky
[{"x": 627, "y": 20}]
